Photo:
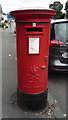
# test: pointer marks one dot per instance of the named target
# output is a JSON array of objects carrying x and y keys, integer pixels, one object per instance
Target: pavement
[
  {"x": 10, "y": 109},
  {"x": 0, "y": 73}
]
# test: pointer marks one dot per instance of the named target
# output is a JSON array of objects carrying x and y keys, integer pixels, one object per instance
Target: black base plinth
[{"x": 32, "y": 101}]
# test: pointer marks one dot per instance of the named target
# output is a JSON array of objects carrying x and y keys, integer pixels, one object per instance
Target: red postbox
[{"x": 32, "y": 35}]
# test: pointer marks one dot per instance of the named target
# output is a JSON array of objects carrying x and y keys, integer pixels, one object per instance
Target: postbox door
[{"x": 33, "y": 61}]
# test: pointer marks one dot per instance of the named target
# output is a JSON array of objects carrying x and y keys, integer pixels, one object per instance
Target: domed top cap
[{"x": 33, "y": 12}]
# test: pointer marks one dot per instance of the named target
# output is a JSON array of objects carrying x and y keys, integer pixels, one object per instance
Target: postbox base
[{"x": 32, "y": 101}]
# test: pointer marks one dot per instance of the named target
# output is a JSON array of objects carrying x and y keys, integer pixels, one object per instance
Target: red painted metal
[
  {"x": 32, "y": 68},
  {"x": 54, "y": 42}
]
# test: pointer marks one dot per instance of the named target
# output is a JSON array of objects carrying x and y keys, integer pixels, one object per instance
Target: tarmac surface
[{"x": 10, "y": 109}]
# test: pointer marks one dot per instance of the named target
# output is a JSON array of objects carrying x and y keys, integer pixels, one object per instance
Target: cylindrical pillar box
[{"x": 32, "y": 35}]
